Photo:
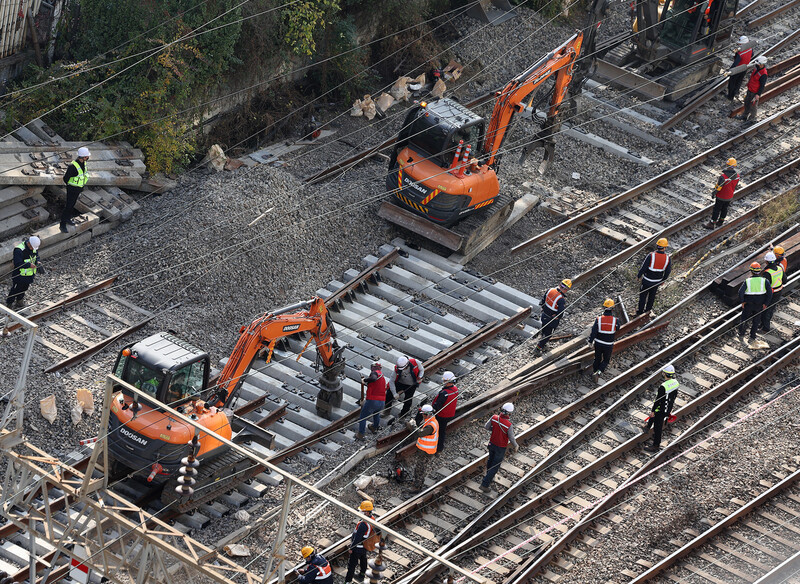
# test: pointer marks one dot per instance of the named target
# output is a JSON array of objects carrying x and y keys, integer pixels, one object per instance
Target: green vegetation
[{"x": 143, "y": 71}]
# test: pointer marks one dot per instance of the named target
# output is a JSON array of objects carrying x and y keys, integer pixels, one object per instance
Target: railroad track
[{"x": 591, "y": 430}]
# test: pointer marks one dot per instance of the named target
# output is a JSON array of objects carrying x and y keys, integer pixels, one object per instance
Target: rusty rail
[
  {"x": 756, "y": 22},
  {"x": 365, "y": 274},
  {"x": 777, "y": 87}
]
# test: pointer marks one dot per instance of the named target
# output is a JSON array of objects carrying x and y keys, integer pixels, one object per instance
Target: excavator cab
[
  {"x": 689, "y": 28},
  {"x": 429, "y": 171}
]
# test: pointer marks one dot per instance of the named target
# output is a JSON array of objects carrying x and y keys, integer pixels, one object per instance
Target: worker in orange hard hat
[
  {"x": 603, "y": 333},
  {"x": 723, "y": 193},
  {"x": 553, "y": 304},
  {"x": 317, "y": 569},
  {"x": 655, "y": 270},
  {"x": 360, "y": 540},
  {"x": 755, "y": 295},
  {"x": 779, "y": 257}
]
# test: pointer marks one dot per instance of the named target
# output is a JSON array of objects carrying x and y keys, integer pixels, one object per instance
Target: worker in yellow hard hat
[
  {"x": 723, "y": 193},
  {"x": 603, "y": 333},
  {"x": 553, "y": 304},
  {"x": 361, "y": 541},
  {"x": 317, "y": 569},
  {"x": 779, "y": 257},
  {"x": 754, "y": 294},
  {"x": 655, "y": 270}
]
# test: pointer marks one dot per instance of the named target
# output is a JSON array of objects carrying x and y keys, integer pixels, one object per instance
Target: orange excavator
[
  {"x": 147, "y": 440},
  {"x": 445, "y": 161}
]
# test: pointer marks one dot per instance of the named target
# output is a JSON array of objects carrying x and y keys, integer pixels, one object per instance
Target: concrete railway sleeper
[{"x": 566, "y": 468}]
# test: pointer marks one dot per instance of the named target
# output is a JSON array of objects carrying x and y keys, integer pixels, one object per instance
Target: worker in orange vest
[
  {"x": 317, "y": 569},
  {"x": 603, "y": 333},
  {"x": 553, "y": 304},
  {"x": 427, "y": 440},
  {"x": 655, "y": 270},
  {"x": 779, "y": 257}
]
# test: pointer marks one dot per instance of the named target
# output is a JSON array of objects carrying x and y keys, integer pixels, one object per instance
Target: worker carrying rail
[
  {"x": 755, "y": 294},
  {"x": 655, "y": 270},
  {"x": 553, "y": 304},
  {"x": 603, "y": 333}
]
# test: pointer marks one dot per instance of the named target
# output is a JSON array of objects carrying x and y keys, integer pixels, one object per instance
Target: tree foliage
[{"x": 304, "y": 19}]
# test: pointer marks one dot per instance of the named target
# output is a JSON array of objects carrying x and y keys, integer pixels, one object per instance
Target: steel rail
[
  {"x": 359, "y": 280},
  {"x": 474, "y": 534},
  {"x": 656, "y": 180},
  {"x": 791, "y": 350},
  {"x": 62, "y": 304},
  {"x": 785, "y": 83},
  {"x": 781, "y": 572},
  {"x": 756, "y": 22},
  {"x": 749, "y": 8},
  {"x": 684, "y": 222}
]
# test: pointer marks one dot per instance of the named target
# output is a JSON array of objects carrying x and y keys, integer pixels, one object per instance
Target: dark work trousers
[
  {"x": 387, "y": 408},
  {"x": 442, "y": 432},
  {"x": 734, "y": 85},
  {"x": 357, "y": 556},
  {"x": 720, "y": 210},
  {"x": 670, "y": 403},
  {"x": 420, "y": 469},
  {"x": 496, "y": 456},
  {"x": 602, "y": 356},
  {"x": 656, "y": 422},
  {"x": 549, "y": 324},
  {"x": 72, "y": 197},
  {"x": 647, "y": 296},
  {"x": 752, "y": 312},
  {"x": 750, "y": 107},
  {"x": 19, "y": 285},
  {"x": 766, "y": 316},
  {"x": 408, "y": 396}
]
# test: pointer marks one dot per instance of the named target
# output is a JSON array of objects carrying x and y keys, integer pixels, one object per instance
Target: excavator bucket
[{"x": 492, "y": 11}]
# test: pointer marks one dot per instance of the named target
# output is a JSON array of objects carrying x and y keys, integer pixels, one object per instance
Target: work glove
[{"x": 589, "y": 341}]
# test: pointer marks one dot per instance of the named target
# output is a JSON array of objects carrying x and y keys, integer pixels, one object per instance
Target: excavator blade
[
  {"x": 623, "y": 77},
  {"x": 420, "y": 226}
]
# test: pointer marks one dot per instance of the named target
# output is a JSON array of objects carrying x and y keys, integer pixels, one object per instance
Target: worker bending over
[{"x": 317, "y": 569}]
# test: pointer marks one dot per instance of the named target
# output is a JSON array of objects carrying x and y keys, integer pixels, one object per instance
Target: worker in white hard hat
[
  {"x": 502, "y": 435},
  {"x": 427, "y": 439},
  {"x": 26, "y": 262},
  {"x": 755, "y": 87},
  {"x": 773, "y": 272},
  {"x": 662, "y": 406},
  {"x": 444, "y": 406},
  {"x": 408, "y": 374},
  {"x": 742, "y": 56},
  {"x": 75, "y": 178}
]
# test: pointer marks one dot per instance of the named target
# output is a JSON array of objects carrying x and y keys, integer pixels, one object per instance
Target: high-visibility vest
[
  {"x": 755, "y": 79},
  {"x": 728, "y": 187},
  {"x": 448, "y": 410},
  {"x": 670, "y": 385},
  {"x": 658, "y": 261},
  {"x": 500, "y": 426},
  {"x": 776, "y": 277},
  {"x": 755, "y": 286},
  {"x": 784, "y": 265},
  {"x": 428, "y": 443},
  {"x": 606, "y": 327},
  {"x": 31, "y": 259},
  {"x": 323, "y": 570},
  {"x": 414, "y": 369},
  {"x": 80, "y": 179},
  {"x": 745, "y": 56},
  {"x": 376, "y": 390},
  {"x": 368, "y": 534},
  {"x": 552, "y": 298}
]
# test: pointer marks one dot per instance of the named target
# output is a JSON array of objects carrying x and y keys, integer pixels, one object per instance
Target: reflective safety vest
[
  {"x": 755, "y": 286},
  {"x": 606, "y": 327},
  {"x": 500, "y": 427},
  {"x": 323, "y": 570},
  {"x": 755, "y": 79},
  {"x": 745, "y": 56},
  {"x": 448, "y": 410},
  {"x": 414, "y": 369},
  {"x": 728, "y": 187},
  {"x": 670, "y": 385},
  {"x": 376, "y": 390},
  {"x": 366, "y": 536},
  {"x": 31, "y": 259},
  {"x": 428, "y": 443},
  {"x": 784, "y": 265},
  {"x": 776, "y": 277},
  {"x": 658, "y": 261},
  {"x": 552, "y": 298},
  {"x": 80, "y": 179}
]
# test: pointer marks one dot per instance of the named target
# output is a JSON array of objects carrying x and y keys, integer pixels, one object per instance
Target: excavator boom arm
[
  {"x": 265, "y": 330},
  {"x": 510, "y": 100}
]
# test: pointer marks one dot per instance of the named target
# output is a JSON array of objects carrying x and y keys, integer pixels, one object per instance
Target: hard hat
[
  {"x": 307, "y": 551},
  {"x": 770, "y": 257},
  {"x": 608, "y": 303},
  {"x": 83, "y": 152},
  {"x": 755, "y": 266},
  {"x": 778, "y": 250},
  {"x": 743, "y": 40},
  {"x": 668, "y": 369},
  {"x": 366, "y": 506},
  {"x": 448, "y": 376},
  {"x": 35, "y": 242},
  {"x": 402, "y": 362},
  {"x": 427, "y": 409},
  {"x": 566, "y": 282},
  {"x": 662, "y": 242},
  {"x": 761, "y": 60},
  {"x": 731, "y": 162},
  {"x": 508, "y": 408}
]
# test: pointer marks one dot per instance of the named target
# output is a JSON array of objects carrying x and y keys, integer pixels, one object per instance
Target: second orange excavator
[
  {"x": 146, "y": 439},
  {"x": 445, "y": 161}
]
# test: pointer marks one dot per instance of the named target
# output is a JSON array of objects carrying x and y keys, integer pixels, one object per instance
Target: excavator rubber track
[
  {"x": 462, "y": 237},
  {"x": 214, "y": 477}
]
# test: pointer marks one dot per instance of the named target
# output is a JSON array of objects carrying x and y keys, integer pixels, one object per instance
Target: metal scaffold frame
[
  {"x": 15, "y": 406},
  {"x": 71, "y": 508}
]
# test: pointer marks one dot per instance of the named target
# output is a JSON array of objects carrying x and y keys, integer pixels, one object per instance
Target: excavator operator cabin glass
[
  {"x": 429, "y": 138},
  {"x": 143, "y": 377},
  {"x": 186, "y": 383},
  {"x": 680, "y": 23}
]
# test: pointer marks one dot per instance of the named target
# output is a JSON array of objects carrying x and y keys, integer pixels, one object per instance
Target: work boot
[
  {"x": 719, "y": 224},
  {"x": 19, "y": 303},
  {"x": 486, "y": 489},
  {"x": 709, "y": 225},
  {"x": 372, "y": 428},
  {"x": 63, "y": 228},
  {"x": 596, "y": 376},
  {"x": 359, "y": 436},
  {"x": 651, "y": 448}
]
